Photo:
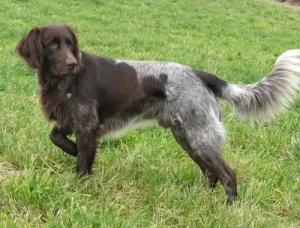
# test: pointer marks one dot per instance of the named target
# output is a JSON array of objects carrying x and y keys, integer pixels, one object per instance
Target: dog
[{"x": 92, "y": 97}]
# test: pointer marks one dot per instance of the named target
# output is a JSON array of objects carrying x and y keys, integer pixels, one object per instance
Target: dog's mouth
[
  {"x": 67, "y": 71},
  {"x": 73, "y": 69}
]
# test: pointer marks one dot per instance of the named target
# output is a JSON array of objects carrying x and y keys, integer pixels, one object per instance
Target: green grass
[{"x": 145, "y": 179}]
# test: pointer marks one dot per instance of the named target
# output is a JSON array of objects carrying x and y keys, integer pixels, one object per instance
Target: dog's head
[{"x": 51, "y": 47}]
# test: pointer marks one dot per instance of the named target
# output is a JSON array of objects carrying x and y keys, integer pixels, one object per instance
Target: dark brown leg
[
  {"x": 86, "y": 146},
  {"x": 59, "y": 137},
  {"x": 212, "y": 179}
]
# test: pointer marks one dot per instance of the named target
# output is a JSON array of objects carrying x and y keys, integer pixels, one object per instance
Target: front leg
[
  {"x": 86, "y": 146},
  {"x": 58, "y": 136},
  {"x": 86, "y": 125}
]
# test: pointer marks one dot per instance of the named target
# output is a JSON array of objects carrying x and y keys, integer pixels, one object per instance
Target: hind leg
[
  {"x": 181, "y": 140},
  {"x": 212, "y": 179},
  {"x": 204, "y": 150}
]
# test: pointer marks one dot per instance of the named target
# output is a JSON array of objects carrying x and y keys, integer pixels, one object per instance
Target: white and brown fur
[{"x": 92, "y": 96}]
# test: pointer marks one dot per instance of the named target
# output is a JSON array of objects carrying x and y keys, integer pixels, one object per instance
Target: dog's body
[{"x": 92, "y": 96}]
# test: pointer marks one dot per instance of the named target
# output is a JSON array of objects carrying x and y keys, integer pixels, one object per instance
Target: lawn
[{"x": 145, "y": 179}]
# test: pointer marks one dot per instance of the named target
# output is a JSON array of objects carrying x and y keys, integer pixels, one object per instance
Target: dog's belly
[{"x": 116, "y": 128}]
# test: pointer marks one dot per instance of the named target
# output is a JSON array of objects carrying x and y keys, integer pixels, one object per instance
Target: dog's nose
[{"x": 71, "y": 62}]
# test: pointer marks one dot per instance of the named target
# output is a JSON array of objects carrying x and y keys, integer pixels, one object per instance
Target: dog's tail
[{"x": 263, "y": 100}]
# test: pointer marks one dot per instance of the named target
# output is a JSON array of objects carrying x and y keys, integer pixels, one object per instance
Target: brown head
[{"x": 53, "y": 48}]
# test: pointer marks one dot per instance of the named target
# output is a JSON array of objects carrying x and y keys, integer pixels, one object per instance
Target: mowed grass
[{"x": 145, "y": 179}]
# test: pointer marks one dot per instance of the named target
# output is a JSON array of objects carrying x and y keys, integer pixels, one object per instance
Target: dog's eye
[
  {"x": 70, "y": 45},
  {"x": 53, "y": 45}
]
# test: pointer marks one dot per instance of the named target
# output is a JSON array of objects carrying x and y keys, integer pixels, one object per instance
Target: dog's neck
[
  {"x": 47, "y": 81},
  {"x": 54, "y": 96}
]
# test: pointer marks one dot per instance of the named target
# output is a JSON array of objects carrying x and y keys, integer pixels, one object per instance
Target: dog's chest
[{"x": 56, "y": 106}]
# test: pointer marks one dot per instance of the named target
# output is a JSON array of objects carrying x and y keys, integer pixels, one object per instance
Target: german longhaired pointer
[{"x": 92, "y": 96}]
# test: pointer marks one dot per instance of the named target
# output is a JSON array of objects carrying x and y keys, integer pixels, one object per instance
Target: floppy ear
[
  {"x": 30, "y": 48},
  {"x": 76, "y": 47}
]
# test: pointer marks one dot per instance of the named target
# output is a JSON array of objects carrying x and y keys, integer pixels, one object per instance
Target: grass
[{"x": 145, "y": 179}]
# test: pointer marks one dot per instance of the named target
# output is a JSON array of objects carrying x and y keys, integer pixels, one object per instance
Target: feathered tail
[{"x": 262, "y": 101}]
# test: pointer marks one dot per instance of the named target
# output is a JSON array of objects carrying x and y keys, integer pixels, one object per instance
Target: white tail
[{"x": 262, "y": 101}]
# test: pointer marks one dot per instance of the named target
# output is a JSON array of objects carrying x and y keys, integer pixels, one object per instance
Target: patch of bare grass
[
  {"x": 7, "y": 170},
  {"x": 290, "y": 2}
]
